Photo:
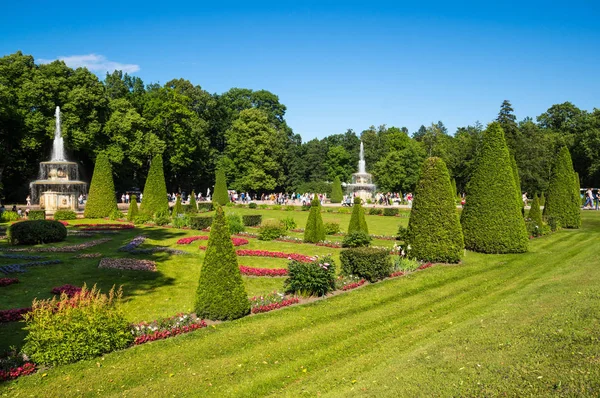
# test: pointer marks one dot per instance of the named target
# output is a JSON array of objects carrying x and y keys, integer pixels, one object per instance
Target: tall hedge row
[
  {"x": 491, "y": 219},
  {"x": 220, "y": 195},
  {"x": 562, "y": 207},
  {"x": 434, "y": 231},
  {"x": 358, "y": 223},
  {"x": 337, "y": 195},
  {"x": 315, "y": 230},
  {"x": 102, "y": 201},
  {"x": 221, "y": 294},
  {"x": 155, "y": 191}
]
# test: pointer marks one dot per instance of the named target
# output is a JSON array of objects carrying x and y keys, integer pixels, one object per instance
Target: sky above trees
[{"x": 336, "y": 65}]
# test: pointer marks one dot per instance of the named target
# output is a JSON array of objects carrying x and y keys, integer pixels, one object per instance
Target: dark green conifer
[
  {"x": 155, "y": 191},
  {"x": 193, "y": 206},
  {"x": 337, "y": 194},
  {"x": 178, "y": 208},
  {"x": 102, "y": 201},
  {"x": 562, "y": 208},
  {"x": 535, "y": 213},
  {"x": 133, "y": 208},
  {"x": 315, "y": 230},
  {"x": 220, "y": 195},
  {"x": 358, "y": 223}
]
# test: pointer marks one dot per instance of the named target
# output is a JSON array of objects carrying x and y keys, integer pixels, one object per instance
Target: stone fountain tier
[
  {"x": 361, "y": 186},
  {"x": 58, "y": 187}
]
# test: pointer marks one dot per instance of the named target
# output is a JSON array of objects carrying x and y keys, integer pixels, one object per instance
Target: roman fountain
[
  {"x": 58, "y": 186},
  {"x": 362, "y": 182}
]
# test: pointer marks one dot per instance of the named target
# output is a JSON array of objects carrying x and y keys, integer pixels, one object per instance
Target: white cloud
[{"x": 94, "y": 62}]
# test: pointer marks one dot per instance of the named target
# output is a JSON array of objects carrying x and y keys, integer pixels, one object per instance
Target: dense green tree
[
  {"x": 220, "y": 194},
  {"x": 434, "y": 231},
  {"x": 102, "y": 201},
  {"x": 337, "y": 195},
  {"x": 155, "y": 191},
  {"x": 508, "y": 122},
  {"x": 562, "y": 208},
  {"x": 221, "y": 294},
  {"x": 315, "y": 230},
  {"x": 491, "y": 218},
  {"x": 338, "y": 163},
  {"x": 398, "y": 171},
  {"x": 358, "y": 223}
]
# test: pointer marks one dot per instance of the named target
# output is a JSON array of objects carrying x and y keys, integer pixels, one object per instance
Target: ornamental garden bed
[{"x": 127, "y": 264}]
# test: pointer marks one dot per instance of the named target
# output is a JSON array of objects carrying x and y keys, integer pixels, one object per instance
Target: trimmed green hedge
[
  {"x": 337, "y": 195},
  {"x": 36, "y": 232},
  {"x": 331, "y": 228},
  {"x": 200, "y": 222},
  {"x": 252, "y": 220},
  {"x": 356, "y": 239},
  {"x": 155, "y": 191},
  {"x": 221, "y": 294},
  {"x": 375, "y": 211},
  {"x": 314, "y": 231},
  {"x": 133, "y": 210},
  {"x": 220, "y": 195},
  {"x": 434, "y": 232},
  {"x": 36, "y": 215},
  {"x": 205, "y": 206},
  {"x": 391, "y": 211},
  {"x": 369, "y": 263},
  {"x": 271, "y": 230},
  {"x": 491, "y": 219},
  {"x": 357, "y": 219},
  {"x": 562, "y": 207},
  {"x": 102, "y": 200},
  {"x": 65, "y": 215}
]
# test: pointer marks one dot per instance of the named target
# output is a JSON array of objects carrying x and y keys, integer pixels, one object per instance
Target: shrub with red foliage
[
  {"x": 263, "y": 271},
  {"x": 354, "y": 285},
  {"x": 69, "y": 290},
  {"x": 13, "y": 315},
  {"x": 274, "y": 306},
  {"x": 8, "y": 281},
  {"x": 265, "y": 253},
  {"x": 26, "y": 369}
]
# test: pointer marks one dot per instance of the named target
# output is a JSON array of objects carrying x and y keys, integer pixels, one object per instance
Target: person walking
[
  {"x": 589, "y": 198},
  {"x": 28, "y": 200}
]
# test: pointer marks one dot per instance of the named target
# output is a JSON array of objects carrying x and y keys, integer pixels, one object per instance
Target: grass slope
[{"x": 516, "y": 324}]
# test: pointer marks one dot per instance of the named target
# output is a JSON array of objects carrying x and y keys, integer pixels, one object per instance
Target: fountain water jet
[
  {"x": 362, "y": 182},
  {"x": 57, "y": 186}
]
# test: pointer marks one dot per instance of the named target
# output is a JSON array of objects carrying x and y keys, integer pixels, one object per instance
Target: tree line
[{"x": 244, "y": 133}]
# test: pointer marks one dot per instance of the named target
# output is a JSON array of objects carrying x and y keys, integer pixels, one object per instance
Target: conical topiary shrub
[
  {"x": 220, "y": 195},
  {"x": 315, "y": 230},
  {"x": 221, "y": 294},
  {"x": 535, "y": 214},
  {"x": 193, "y": 206},
  {"x": 155, "y": 191},
  {"x": 178, "y": 208},
  {"x": 133, "y": 208},
  {"x": 102, "y": 201},
  {"x": 434, "y": 231},
  {"x": 358, "y": 223},
  {"x": 491, "y": 219},
  {"x": 515, "y": 170},
  {"x": 562, "y": 207},
  {"x": 542, "y": 200},
  {"x": 337, "y": 195}
]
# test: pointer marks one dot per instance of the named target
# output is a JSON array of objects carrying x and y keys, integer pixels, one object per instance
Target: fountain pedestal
[{"x": 362, "y": 182}]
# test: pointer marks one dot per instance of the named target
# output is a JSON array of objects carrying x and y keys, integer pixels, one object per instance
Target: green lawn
[{"x": 513, "y": 325}]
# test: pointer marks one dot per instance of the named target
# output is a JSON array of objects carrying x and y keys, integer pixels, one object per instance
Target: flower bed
[
  {"x": 13, "y": 315},
  {"x": 26, "y": 369},
  {"x": 8, "y": 281},
  {"x": 239, "y": 241},
  {"x": 270, "y": 302},
  {"x": 104, "y": 227},
  {"x": 425, "y": 266},
  {"x": 69, "y": 290},
  {"x": 165, "y": 328},
  {"x": 88, "y": 255},
  {"x": 327, "y": 243},
  {"x": 354, "y": 285},
  {"x": 21, "y": 257},
  {"x": 290, "y": 239},
  {"x": 13, "y": 268},
  {"x": 188, "y": 240},
  {"x": 250, "y": 271},
  {"x": 383, "y": 237},
  {"x": 132, "y": 247},
  {"x": 133, "y": 244},
  {"x": 247, "y": 234},
  {"x": 128, "y": 264},
  {"x": 266, "y": 253},
  {"x": 60, "y": 249},
  {"x": 396, "y": 274}
]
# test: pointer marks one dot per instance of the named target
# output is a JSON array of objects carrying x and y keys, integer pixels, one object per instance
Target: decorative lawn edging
[
  {"x": 251, "y": 271},
  {"x": 20, "y": 268},
  {"x": 165, "y": 328},
  {"x": 8, "y": 281},
  {"x": 265, "y": 253},
  {"x": 127, "y": 264},
  {"x": 104, "y": 227},
  {"x": 59, "y": 249},
  {"x": 13, "y": 315},
  {"x": 13, "y": 373}
]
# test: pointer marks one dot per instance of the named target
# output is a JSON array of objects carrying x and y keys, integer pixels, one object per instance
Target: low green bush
[
  {"x": 116, "y": 215},
  {"x": 181, "y": 221},
  {"x": 391, "y": 211},
  {"x": 9, "y": 216},
  {"x": 367, "y": 262},
  {"x": 289, "y": 223},
  {"x": 356, "y": 239},
  {"x": 263, "y": 207},
  {"x": 200, "y": 222},
  {"x": 405, "y": 264},
  {"x": 402, "y": 233},
  {"x": 252, "y": 205},
  {"x": 141, "y": 218},
  {"x": 374, "y": 211},
  {"x": 35, "y": 232},
  {"x": 344, "y": 210},
  {"x": 72, "y": 329},
  {"x": 65, "y": 215},
  {"x": 537, "y": 229},
  {"x": 316, "y": 278},
  {"x": 252, "y": 220},
  {"x": 271, "y": 230},
  {"x": 290, "y": 208},
  {"x": 331, "y": 228},
  {"x": 234, "y": 221},
  {"x": 205, "y": 206},
  {"x": 276, "y": 207},
  {"x": 36, "y": 215}
]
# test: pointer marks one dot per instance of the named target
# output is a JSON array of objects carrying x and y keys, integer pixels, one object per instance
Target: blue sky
[{"x": 337, "y": 65}]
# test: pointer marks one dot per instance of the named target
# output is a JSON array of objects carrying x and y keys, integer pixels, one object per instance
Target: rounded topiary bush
[
  {"x": 434, "y": 230},
  {"x": 366, "y": 262},
  {"x": 155, "y": 191},
  {"x": 133, "y": 210},
  {"x": 221, "y": 294},
  {"x": 358, "y": 222},
  {"x": 35, "y": 232},
  {"x": 491, "y": 218},
  {"x": 102, "y": 200},
  {"x": 220, "y": 195},
  {"x": 315, "y": 230},
  {"x": 337, "y": 195},
  {"x": 562, "y": 208}
]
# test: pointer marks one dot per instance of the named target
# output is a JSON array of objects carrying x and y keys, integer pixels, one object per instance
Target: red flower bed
[
  {"x": 159, "y": 335},
  {"x": 425, "y": 266},
  {"x": 69, "y": 290},
  {"x": 27, "y": 369},
  {"x": 354, "y": 285},
  {"x": 266, "y": 253},
  {"x": 274, "y": 306},
  {"x": 335, "y": 245},
  {"x": 187, "y": 241},
  {"x": 13, "y": 315},
  {"x": 202, "y": 247},
  {"x": 8, "y": 281},
  {"x": 239, "y": 241},
  {"x": 263, "y": 271},
  {"x": 397, "y": 273},
  {"x": 104, "y": 227},
  {"x": 64, "y": 223}
]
